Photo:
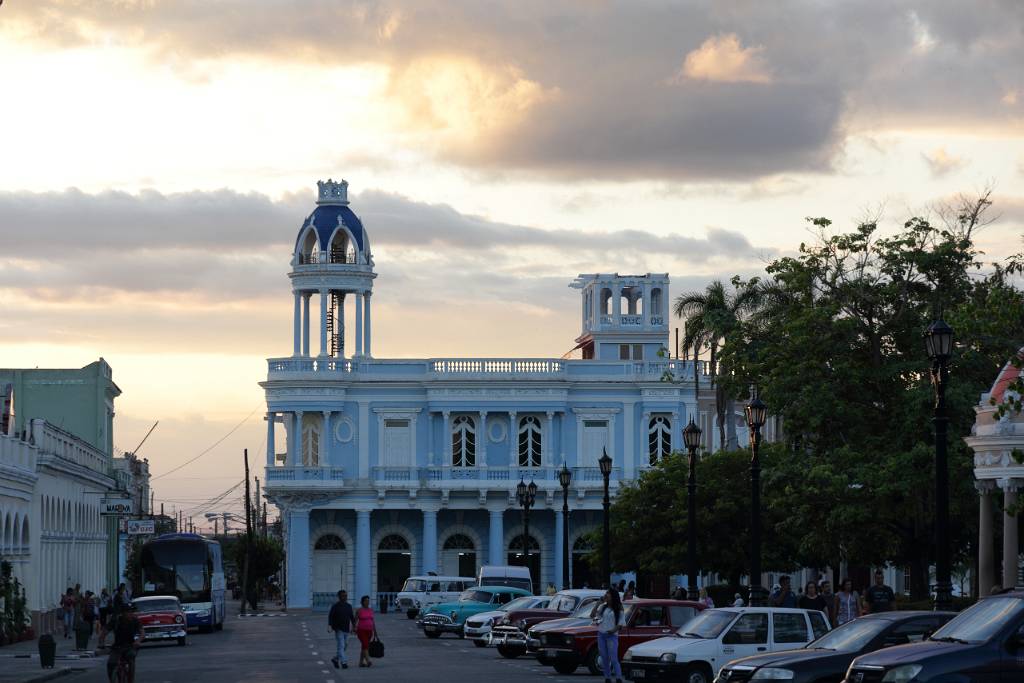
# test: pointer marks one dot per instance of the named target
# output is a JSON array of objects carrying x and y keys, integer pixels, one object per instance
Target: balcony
[
  {"x": 522, "y": 368},
  {"x": 304, "y": 477}
]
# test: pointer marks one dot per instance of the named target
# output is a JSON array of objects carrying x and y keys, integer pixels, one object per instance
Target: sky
[{"x": 158, "y": 159}]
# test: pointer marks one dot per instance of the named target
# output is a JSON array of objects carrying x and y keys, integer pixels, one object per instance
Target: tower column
[
  {"x": 359, "y": 324},
  {"x": 323, "y": 322},
  {"x": 305, "y": 324},
  {"x": 271, "y": 418},
  {"x": 363, "y": 552},
  {"x": 298, "y": 325},
  {"x": 617, "y": 304},
  {"x": 430, "y": 541},
  {"x": 295, "y": 452},
  {"x": 366, "y": 346}
]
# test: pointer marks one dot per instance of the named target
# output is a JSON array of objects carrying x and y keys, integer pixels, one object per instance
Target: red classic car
[
  {"x": 509, "y": 634},
  {"x": 161, "y": 617},
  {"x": 646, "y": 620}
]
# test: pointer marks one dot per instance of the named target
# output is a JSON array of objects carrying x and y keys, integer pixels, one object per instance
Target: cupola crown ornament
[{"x": 330, "y": 192}]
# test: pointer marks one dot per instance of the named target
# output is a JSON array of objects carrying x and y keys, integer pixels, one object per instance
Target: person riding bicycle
[{"x": 128, "y": 635}]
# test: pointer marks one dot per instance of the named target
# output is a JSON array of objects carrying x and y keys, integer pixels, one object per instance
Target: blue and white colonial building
[{"x": 396, "y": 467}]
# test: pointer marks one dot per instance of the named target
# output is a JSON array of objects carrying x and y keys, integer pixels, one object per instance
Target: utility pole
[
  {"x": 215, "y": 520},
  {"x": 248, "y": 534},
  {"x": 264, "y": 520}
]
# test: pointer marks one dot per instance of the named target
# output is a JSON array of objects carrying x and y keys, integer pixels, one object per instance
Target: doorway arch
[{"x": 458, "y": 555}]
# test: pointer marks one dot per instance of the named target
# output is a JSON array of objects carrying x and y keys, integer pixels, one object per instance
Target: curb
[{"x": 48, "y": 676}]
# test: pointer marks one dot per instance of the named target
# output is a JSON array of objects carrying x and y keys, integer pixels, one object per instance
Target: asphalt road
[{"x": 298, "y": 648}]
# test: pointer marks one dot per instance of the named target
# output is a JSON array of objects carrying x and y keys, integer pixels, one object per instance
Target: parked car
[
  {"x": 717, "y": 636},
  {"x": 501, "y": 575},
  {"x": 828, "y": 657},
  {"x": 983, "y": 644},
  {"x": 583, "y": 615},
  {"x": 162, "y": 618},
  {"x": 449, "y": 617},
  {"x": 568, "y": 648},
  {"x": 420, "y": 592},
  {"x": 509, "y": 634},
  {"x": 478, "y": 627}
]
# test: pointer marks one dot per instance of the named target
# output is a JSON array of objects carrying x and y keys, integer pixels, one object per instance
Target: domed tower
[{"x": 332, "y": 260}]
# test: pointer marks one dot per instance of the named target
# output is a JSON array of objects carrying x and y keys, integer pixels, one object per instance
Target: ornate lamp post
[
  {"x": 565, "y": 478},
  {"x": 691, "y": 437},
  {"x": 757, "y": 413},
  {"x": 526, "y": 495},
  {"x": 605, "y": 464},
  {"x": 938, "y": 341}
]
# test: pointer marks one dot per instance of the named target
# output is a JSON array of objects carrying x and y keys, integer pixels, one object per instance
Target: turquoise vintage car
[{"x": 449, "y": 617}]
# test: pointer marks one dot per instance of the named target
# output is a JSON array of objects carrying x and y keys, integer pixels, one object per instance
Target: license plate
[
  {"x": 431, "y": 629},
  {"x": 637, "y": 673}
]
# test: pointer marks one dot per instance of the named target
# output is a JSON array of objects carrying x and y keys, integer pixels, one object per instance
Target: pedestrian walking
[
  {"x": 879, "y": 597},
  {"x": 811, "y": 599},
  {"x": 847, "y": 603},
  {"x": 678, "y": 593},
  {"x": 784, "y": 596},
  {"x": 703, "y": 597},
  {"x": 825, "y": 591},
  {"x": 737, "y": 600},
  {"x": 67, "y": 611},
  {"x": 103, "y": 604},
  {"x": 366, "y": 629},
  {"x": 551, "y": 589},
  {"x": 610, "y": 619},
  {"x": 341, "y": 621}
]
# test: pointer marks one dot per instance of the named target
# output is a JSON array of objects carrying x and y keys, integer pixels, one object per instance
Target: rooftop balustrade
[{"x": 51, "y": 440}]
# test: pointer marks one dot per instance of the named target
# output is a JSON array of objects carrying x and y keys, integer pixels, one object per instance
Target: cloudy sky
[{"x": 159, "y": 156}]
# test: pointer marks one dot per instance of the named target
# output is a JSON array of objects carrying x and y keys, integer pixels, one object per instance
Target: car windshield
[
  {"x": 587, "y": 608},
  {"x": 981, "y": 621},
  {"x": 474, "y": 595},
  {"x": 157, "y": 605},
  {"x": 851, "y": 636},
  {"x": 520, "y": 603},
  {"x": 708, "y": 624},
  {"x": 414, "y": 586}
]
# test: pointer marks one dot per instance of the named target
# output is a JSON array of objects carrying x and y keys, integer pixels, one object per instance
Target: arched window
[
  {"x": 659, "y": 438},
  {"x": 393, "y": 542},
  {"x": 459, "y": 542},
  {"x": 339, "y": 247},
  {"x": 329, "y": 542},
  {"x": 530, "y": 442},
  {"x": 606, "y": 301},
  {"x": 656, "y": 301},
  {"x": 583, "y": 544},
  {"x": 463, "y": 442},
  {"x": 517, "y": 543},
  {"x": 309, "y": 248}
]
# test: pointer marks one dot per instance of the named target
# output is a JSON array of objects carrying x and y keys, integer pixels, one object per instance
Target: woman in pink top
[{"x": 365, "y": 629}]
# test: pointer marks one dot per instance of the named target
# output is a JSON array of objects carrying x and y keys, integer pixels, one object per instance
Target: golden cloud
[{"x": 722, "y": 59}]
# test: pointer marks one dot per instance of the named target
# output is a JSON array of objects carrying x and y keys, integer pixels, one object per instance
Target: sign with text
[
  {"x": 116, "y": 507},
  {"x": 141, "y": 527}
]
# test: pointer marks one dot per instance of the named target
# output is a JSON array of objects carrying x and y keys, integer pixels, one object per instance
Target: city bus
[{"x": 190, "y": 568}]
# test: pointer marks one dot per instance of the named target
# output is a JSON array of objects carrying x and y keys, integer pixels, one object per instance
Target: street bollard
[{"x": 47, "y": 651}]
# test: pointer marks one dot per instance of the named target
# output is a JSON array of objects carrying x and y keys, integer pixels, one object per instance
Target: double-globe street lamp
[
  {"x": 565, "y": 478},
  {"x": 938, "y": 341},
  {"x": 691, "y": 438},
  {"x": 527, "y": 495},
  {"x": 605, "y": 463},
  {"x": 757, "y": 413}
]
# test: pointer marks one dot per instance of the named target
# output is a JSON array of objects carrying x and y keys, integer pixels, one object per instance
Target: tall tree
[{"x": 711, "y": 316}]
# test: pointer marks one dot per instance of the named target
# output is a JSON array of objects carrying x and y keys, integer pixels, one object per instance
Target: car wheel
[
  {"x": 593, "y": 662},
  {"x": 432, "y": 635},
  {"x": 565, "y": 668},
  {"x": 411, "y": 613},
  {"x": 461, "y": 634},
  {"x": 480, "y": 643},
  {"x": 697, "y": 673},
  {"x": 510, "y": 652},
  {"x": 219, "y": 626},
  {"x": 181, "y": 641},
  {"x": 544, "y": 659},
  {"x": 206, "y": 629}
]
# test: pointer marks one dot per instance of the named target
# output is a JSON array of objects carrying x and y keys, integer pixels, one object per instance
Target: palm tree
[{"x": 710, "y": 316}]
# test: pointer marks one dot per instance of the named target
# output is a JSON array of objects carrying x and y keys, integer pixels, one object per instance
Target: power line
[{"x": 217, "y": 443}]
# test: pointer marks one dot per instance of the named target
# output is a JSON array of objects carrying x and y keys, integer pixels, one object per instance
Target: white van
[
  {"x": 500, "y": 575},
  {"x": 420, "y": 592}
]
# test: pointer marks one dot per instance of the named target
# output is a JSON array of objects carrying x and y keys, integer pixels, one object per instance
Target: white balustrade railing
[
  {"x": 55, "y": 441},
  {"x": 498, "y": 366},
  {"x": 15, "y": 452},
  {"x": 303, "y": 473}
]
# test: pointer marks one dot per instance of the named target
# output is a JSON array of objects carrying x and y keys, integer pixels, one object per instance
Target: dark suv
[{"x": 982, "y": 644}]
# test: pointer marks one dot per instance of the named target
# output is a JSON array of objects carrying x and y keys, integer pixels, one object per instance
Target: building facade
[{"x": 391, "y": 467}]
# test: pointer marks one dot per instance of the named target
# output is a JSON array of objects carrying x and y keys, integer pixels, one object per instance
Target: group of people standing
[
  {"x": 840, "y": 607},
  {"x": 86, "y": 613}
]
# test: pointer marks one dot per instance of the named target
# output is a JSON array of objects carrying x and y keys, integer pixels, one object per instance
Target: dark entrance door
[
  {"x": 517, "y": 558},
  {"x": 394, "y": 564},
  {"x": 583, "y": 572}
]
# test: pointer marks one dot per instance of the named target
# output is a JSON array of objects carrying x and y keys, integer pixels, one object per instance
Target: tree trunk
[{"x": 719, "y": 402}]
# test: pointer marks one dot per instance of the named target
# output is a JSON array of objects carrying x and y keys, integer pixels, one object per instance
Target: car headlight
[
  {"x": 628, "y": 656},
  {"x": 416, "y": 603},
  {"x": 902, "y": 674},
  {"x": 770, "y": 674},
  {"x": 178, "y": 618},
  {"x": 668, "y": 657}
]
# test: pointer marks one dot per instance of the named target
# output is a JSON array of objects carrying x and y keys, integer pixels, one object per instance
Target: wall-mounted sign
[
  {"x": 115, "y": 507},
  {"x": 141, "y": 527}
]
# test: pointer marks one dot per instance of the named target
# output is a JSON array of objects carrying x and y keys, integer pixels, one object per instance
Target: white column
[
  {"x": 446, "y": 443},
  {"x": 547, "y": 454},
  {"x": 617, "y": 304},
  {"x": 559, "y": 540},
  {"x": 325, "y": 441},
  {"x": 430, "y": 541},
  {"x": 366, "y": 315},
  {"x": 305, "y": 323},
  {"x": 324, "y": 298},
  {"x": 359, "y": 324},
  {"x": 1010, "y": 537},
  {"x": 496, "y": 539},
  {"x": 986, "y": 551},
  {"x": 647, "y": 305},
  {"x": 481, "y": 441},
  {"x": 299, "y": 594},
  {"x": 271, "y": 417},
  {"x": 298, "y": 325},
  {"x": 295, "y": 452},
  {"x": 363, "y": 551}
]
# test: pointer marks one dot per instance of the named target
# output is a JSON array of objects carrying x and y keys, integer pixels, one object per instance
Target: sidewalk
[{"x": 19, "y": 663}]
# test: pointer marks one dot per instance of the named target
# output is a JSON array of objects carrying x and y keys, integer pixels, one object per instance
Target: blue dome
[{"x": 325, "y": 219}]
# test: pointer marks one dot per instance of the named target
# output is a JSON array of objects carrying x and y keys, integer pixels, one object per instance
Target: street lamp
[
  {"x": 605, "y": 464},
  {"x": 757, "y": 413},
  {"x": 691, "y": 438},
  {"x": 565, "y": 478},
  {"x": 526, "y": 495},
  {"x": 938, "y": 340}
]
